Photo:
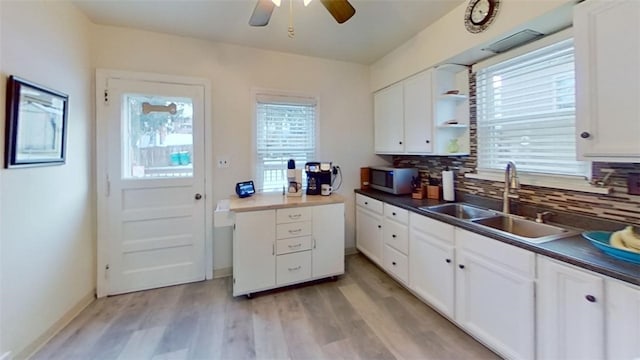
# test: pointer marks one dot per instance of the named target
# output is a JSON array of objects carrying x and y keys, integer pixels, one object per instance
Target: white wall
[
  {"x": 345, "y": 103},
  {"x": 447, "y": 38},
  {"x": 47, "y": 224}
]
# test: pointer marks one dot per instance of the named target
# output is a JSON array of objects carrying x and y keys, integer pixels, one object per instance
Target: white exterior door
[{"x": 151, "y": 207}]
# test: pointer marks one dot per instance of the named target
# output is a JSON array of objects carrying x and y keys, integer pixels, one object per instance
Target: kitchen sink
[
  {"x": 524, "y": 229},
  {"x": 460, "y": 211}
]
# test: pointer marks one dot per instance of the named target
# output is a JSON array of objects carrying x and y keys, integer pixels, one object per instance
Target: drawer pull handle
[
  {"x": 393, "y": 263},
  {"x": 294, "y": 216},
  {"x": 590, "y": 298},
  {"x": 461, "y": 266},
  {"x": 393, "y": 236},
  {"x": 295, "y": 268},
  {"x": 294, "y": 246},
  {"x": 294, "y": 231},
  {"x": 448, "y": 261}
]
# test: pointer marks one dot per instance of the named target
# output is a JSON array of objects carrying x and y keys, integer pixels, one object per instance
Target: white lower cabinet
[
  {"x": 495, "y": 294},
  {"x": 623, "y": 320},
  {"x": 254, "y": 258},
  {"x": 273, "y": 248},
  {"x": 570, "y": 307},
  {"x": 369, "y": 227},
  {"x": 431, "y": 267}
]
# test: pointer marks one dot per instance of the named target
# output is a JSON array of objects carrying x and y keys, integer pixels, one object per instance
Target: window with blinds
[
  {"x": 526, "y": 112},
  {"x": 285, "y": 129}
]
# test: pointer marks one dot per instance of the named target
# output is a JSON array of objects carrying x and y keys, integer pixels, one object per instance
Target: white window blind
[
  {"x": 285, "y": 129},
  {"x": 526, "y": 112}
]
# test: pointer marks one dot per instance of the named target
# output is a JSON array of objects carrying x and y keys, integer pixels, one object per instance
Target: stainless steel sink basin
[
  {"x": 460, "y": 211},
  {"x": 523, "y": 229}
]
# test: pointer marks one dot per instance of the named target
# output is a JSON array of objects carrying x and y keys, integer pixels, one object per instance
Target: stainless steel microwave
[{"x": 392, "y": 180}]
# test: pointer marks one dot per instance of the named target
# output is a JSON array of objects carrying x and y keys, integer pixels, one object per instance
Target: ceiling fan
[{"x": 341, "y": 10}]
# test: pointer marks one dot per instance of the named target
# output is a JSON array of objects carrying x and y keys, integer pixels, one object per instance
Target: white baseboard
[
  {"x": 223, "y": 272},
  {"x": 38, "y": 343},
  {"x": 6, "y": 356}
]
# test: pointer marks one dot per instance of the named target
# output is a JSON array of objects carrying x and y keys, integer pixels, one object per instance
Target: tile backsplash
[{"x": 618, "y": 205}]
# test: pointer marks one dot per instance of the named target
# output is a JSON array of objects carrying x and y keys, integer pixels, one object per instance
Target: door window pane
[{"x": 157, "y": 137}]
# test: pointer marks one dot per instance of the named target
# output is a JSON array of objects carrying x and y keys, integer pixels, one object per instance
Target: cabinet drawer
[
  {"x": 295, "y": 229},
  {"x": 293, "y": 267},
  {"x": 396, "y": 263},
  {"x": 396, "y": 235},
  {"x": 435, "y": 228},
  {"x": 293, "y": 245},
  {"x": 288, "y": 215},
  {"x": 396, "y": 213},
  {"x": 369, "y": 203}
]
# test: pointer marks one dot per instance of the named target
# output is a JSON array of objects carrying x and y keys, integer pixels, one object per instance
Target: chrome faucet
[{"x": 510, "y": 182}]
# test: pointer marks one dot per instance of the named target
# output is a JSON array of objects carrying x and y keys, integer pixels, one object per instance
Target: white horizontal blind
[
  {"x": 526, "y": 112},
  {"x": 285, "y": 129}
]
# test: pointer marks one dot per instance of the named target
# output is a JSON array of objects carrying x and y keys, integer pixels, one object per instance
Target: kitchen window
[
  {"x": 285, "y": 129},
  {"x": 526, "y": 111}
]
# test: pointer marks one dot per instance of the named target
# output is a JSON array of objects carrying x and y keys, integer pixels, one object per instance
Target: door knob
[{"x": 198, "y": 196}]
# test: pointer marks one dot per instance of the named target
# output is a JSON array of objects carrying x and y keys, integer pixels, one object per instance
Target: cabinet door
[
  {"x": 494, "y": 302},
  {"x": 254, "y": 260},
  {"x": 623, "y": 321},
  {"x": 431, "y": 270},
  {"x": 389, "y": 120},
  {"x": 369, "y": 234},
  {"x": 328, "y": 240},
  {"x": 418, "y": 117},
  {"x": 607, "y": 43},
  {"x": 570, "y": 312}
]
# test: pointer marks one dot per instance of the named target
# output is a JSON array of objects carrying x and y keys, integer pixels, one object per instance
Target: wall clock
[{"x": 480, "y": 14}]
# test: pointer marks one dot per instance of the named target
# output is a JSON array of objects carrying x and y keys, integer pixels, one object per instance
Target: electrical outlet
[{"x": 223, "y": 162}]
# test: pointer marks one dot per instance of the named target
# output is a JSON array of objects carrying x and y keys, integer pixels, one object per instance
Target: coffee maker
[{"x": 318, "y": 173}]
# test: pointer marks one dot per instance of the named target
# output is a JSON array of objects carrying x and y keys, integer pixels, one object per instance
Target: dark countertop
[{"x": 574, "y": 250}]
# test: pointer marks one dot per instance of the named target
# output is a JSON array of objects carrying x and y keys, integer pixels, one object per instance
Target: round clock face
[{"x": 479, "y": 14}]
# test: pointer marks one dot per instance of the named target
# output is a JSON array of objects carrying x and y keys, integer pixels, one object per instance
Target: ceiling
[{"x": 378, "y": 26}]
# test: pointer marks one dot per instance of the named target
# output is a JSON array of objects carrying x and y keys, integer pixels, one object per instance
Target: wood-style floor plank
[{"x": 364, "y": 314}]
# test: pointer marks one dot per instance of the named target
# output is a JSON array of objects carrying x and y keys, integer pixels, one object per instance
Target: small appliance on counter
[
  {"x": 294, "y": 179},
  {"x": 392, "y": 180},
  {"x": 318, "y": 174}
]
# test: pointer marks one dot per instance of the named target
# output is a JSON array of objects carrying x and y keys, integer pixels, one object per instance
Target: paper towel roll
[{"x": 448, "y": 193}]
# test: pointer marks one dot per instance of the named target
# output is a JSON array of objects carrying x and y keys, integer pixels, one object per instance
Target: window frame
[
  {"x": 569, "y": 182},
  {"x": 284, "y": 97}
]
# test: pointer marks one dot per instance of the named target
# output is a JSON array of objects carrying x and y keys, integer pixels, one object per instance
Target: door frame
[{"x": 102, "y": 77}]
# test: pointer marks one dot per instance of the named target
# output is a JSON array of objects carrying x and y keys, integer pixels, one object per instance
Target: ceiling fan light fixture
[
  {"x": 307, "y": 2},
  {"x": 277, "y": 2}
]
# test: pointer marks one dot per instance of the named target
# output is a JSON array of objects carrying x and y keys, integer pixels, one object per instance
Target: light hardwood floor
[{"x": 362, "y": 315}]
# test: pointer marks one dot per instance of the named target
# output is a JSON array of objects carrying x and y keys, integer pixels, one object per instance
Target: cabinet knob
[
  {"x": 585, "y": 135},
  {"x": 393, "y": 263},
  {"x": 400, "y": 142},
  {"x": 379, "y": 226},
  {"x": 590, "y": 298},
  {"x": 393, "y": 236},
  {"x": 448, "y": 261},
  {"x": 394, "y": 214},
  {"x": 461, "y": 266},
  {"x": 198, "y": 196},
  {"x": 427, "y": 141},
  {"x": 366, "y": 203}
]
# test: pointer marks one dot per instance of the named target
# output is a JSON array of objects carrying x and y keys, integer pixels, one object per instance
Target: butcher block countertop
[{"x": 270, "y": 201}]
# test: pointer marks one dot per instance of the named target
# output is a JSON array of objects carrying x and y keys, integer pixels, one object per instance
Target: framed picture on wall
[{"x": 36, "y": 124}]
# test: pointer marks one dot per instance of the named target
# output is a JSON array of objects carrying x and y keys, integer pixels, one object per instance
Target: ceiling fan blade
[
  {"x": 262, "y": 13},
  {"x": 341, "y": 10}
]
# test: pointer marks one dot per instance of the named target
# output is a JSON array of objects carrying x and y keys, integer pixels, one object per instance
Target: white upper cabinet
[
  {"x": 607, "y": 43},
  {"x": 418, "y": 129},
  {"x": 422, "y": 116},
  {"x": 389, "y": 120}
]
